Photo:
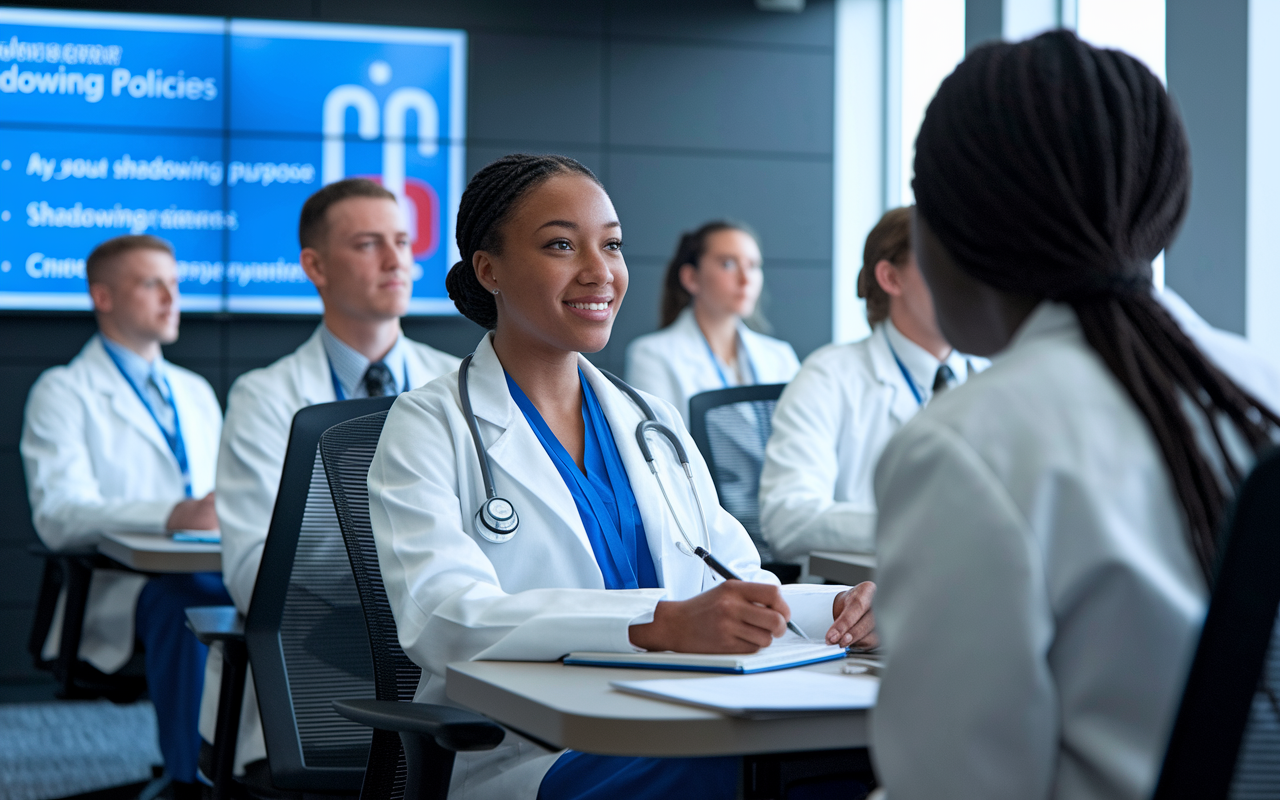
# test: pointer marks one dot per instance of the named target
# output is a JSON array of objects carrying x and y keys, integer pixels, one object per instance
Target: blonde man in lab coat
[
  {"x": 837, "y": 415},
  {"x": 120, "y": 440},
  {"x": 355, "y": 249}
]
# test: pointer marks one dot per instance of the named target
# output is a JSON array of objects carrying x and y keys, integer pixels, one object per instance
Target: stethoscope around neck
[{"x": 496, "y": 519}]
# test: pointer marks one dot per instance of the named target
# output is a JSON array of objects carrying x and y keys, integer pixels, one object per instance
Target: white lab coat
[
  {"x": 674, "y": 363},
  {"x": 1038, "y": 600},
  {"x": 260, "y": 409},
  {"x": 458, "y": 597},
  {"x": 95, "y": 462},
  {"x": 829, "y": 428}
]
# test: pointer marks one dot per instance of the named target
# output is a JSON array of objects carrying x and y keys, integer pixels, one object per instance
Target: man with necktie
[
  {"x": 121, "y": 440},
  {"x": 356, "y": 250},
  {"x": 836, "y": 416}
]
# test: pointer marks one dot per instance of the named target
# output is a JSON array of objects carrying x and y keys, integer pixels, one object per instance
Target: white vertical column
[
  {"x": 932, "y": 46},
  {"x": 859, "y": 153},
  {"x": 1026, "y": 18},
  {"x": 1262, "y": 250}
]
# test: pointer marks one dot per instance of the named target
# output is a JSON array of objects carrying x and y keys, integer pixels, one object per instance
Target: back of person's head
[
  {"x": 690, "y": 249},
  {"x": 489, "y": 201},
  {"x": 100, "y": 265},
  {"x": 889, "y": 240},
  {"x": 313, "y": 222},
  {"x": 1050, "y": 169}
]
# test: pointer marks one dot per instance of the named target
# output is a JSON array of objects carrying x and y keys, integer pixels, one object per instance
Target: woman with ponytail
[
  {"x": 1048, "y": 535},
  {"x": 710, "y": 296},
  {"x": 593, "y": 563}
]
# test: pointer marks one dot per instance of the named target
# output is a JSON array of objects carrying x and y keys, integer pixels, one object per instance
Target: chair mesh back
[
  {"x": 323, "y": 638},
  {"x": 736, "y": 434},
  {"x": 305, "y": 631},
  {"x": 347, "y": 450},
  {"x": 1257, "y": 771}
]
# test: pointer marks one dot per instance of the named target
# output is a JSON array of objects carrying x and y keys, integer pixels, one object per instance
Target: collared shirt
[
  {"x": 921, "y": 364},
  {"x": 350, "y": 365},
  {"x": 149, "y": 377}
]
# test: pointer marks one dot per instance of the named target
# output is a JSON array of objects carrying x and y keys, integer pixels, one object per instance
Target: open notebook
[
  {"x": 779, "y": 655},
  {"x": 763, "y": 696}
]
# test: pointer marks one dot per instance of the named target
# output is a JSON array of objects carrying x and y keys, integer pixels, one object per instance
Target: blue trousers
[
  {"x": 582, "y": 776},
  {"x": 175, "y": 662}
]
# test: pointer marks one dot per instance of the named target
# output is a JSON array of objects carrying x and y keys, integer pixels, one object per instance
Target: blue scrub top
[{"x": 603, "y": 495}]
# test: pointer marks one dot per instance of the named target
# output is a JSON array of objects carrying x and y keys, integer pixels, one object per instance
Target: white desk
[
  {"x": 575, "y": 707},
  {"x": 847, "y": 568},
  {"x": 152, "y": 553}
]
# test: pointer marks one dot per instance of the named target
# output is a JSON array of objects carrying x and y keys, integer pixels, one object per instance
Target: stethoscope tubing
[{"x": 648, "y": 424}]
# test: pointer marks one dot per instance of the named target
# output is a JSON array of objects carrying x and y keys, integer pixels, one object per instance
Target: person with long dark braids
[
  {"x": 593, "y": 564},
  {"x": 1049, "y": 532}
]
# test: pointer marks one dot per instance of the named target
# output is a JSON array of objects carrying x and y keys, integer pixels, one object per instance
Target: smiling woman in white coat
[
  {"x": 1046, "y": 535},
  {"x": 835, "y": 418},
  {"x": 710, "y": 291},
  {"x": 593, "y": 563}
]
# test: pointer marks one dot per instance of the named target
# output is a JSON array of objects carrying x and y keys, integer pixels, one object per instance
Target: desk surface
[
  {"x": 154, "y": 553},
  {"x": 847, "y": 568},
  {"x": 575, "y": 707}
]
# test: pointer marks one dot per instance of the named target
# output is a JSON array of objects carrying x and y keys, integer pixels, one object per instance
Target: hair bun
[{"x": 470, "y": 297}]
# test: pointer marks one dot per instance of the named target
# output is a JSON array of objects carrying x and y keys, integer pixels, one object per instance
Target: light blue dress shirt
[
  {"x": 349, "y": 365},
  {"x": 149, "y": 376}
]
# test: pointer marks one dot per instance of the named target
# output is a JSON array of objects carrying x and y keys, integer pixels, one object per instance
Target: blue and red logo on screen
[{"x": 404, "y": 105}]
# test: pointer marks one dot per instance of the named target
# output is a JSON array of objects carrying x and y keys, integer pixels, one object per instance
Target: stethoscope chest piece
[{"x": 496, "y": 520}]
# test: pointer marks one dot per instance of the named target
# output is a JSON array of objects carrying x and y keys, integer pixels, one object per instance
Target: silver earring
[{"x": 495, "y": 291}]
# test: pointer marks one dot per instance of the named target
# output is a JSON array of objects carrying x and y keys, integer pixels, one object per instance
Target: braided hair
[
  {"x": 1052, "y": 169},
  {"x": 490, "y": 199}
]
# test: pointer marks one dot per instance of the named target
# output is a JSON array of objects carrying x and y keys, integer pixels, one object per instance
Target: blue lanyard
[
  {"x": 337, "y": 384},
  {"x": 174, "y": 440},
  {"x": 911, "y": 383},
  {"x": 715, "y": 362}
]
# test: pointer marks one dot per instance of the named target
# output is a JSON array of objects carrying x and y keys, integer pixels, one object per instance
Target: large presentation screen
[{"x": 210, "y": 133}]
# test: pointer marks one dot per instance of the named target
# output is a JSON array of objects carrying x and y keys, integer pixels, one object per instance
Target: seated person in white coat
[
  {"x": 835, "y": 417},
  {"x": 593, "y": 564},
  {"x": 1046, "y": 536},
  {"x": 709, "y": 294},
  {"x": 122, "y": 440},
  {"x": 356, "y": 250}
]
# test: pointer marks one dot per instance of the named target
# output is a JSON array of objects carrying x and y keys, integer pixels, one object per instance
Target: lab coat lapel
[
  {"x": 902, "y": 404},
  {"x": 315, "y": 376},
  {"x": 514, "y": 448},
  {"x": 124, "y": 400}
]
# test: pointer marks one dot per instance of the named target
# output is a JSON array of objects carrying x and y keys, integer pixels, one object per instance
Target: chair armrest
[
  {"x": 40, "y": 551},
  {"x": 451, "y": 728},
  {"x": 215, "y": 624}
]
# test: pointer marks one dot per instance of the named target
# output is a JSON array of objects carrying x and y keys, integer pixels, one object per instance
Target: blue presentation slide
[{"x": 211, "y": 133}]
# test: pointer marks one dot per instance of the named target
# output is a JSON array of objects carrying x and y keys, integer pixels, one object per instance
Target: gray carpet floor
[{"x": 51, "y": 750}]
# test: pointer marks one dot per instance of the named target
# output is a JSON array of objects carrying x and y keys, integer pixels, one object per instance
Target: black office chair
[
  {"x": 71, "y": 571},
  {"x": 1226, "y": 737},
  {"x": 730, "y": 428},
  {"x": 419, "y": 762},
  {"x": 304, "y": 633}
]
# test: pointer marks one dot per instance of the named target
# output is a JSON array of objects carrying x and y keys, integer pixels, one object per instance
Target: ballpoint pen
[{"x": 727, "y": 574}]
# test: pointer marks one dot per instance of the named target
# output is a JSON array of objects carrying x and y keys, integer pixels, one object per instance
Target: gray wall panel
[
  {"x": 726, "y": 21},
  {"x": 1208, "y": 67},
  {"x": 787, "y": 201},
  {"x": 511, "y": 88},
  {"x": 677, "y": 95}
]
